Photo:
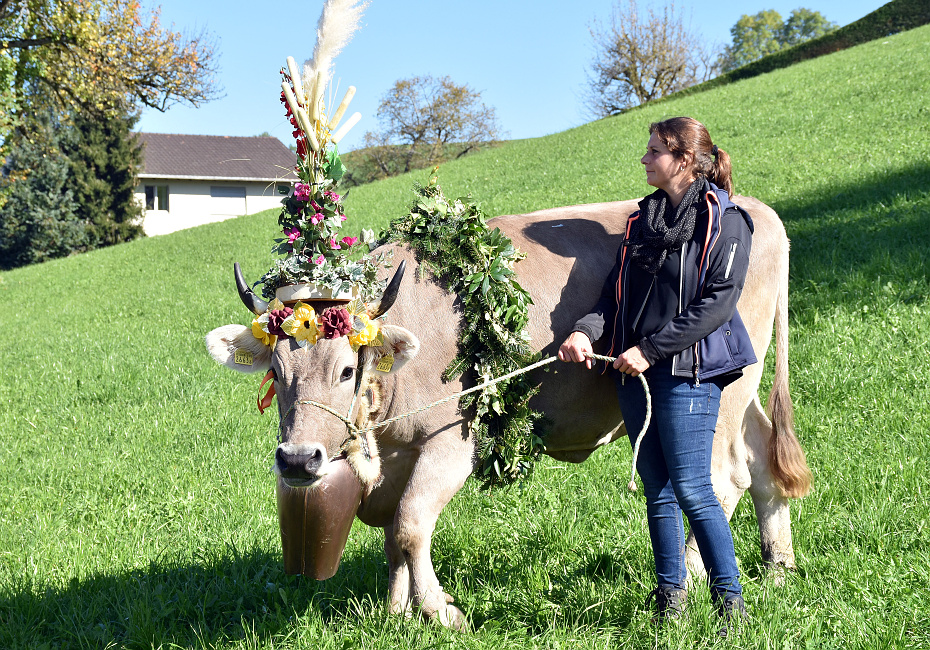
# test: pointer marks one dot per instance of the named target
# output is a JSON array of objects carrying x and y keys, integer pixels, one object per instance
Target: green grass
[{"x": 136, "y": 503}]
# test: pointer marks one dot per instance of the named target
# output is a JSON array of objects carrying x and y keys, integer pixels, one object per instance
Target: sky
[{"x": 527, "y": 58}]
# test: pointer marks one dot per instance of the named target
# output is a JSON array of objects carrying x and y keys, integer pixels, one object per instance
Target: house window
[
  {"x": 226, "y": 192},
  {"x": 156, "y": 197}
]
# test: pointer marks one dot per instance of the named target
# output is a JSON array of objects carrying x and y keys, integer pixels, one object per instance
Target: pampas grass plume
[{"x": 338, "y": 22}]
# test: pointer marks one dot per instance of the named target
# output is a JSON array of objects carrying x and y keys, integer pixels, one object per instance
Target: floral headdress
[
  {"x": 313, "y": 247},
  {"x": 306, "y": 327}
]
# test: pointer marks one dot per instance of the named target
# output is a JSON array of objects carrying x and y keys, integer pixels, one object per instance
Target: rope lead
[{"x": 355, "y": 432}]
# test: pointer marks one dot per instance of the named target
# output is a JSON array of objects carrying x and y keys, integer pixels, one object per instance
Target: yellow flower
[
  {"x": 365, "y": 331},
  {"x": 301, "y": 325},
  {"x": 260, "y": 330}
]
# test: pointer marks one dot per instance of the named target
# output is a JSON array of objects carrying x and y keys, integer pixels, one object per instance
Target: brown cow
[{"x": 426, "y": 458}]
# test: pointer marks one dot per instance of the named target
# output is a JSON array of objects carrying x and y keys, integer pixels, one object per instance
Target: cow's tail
[{"x": 786, "y": 458}]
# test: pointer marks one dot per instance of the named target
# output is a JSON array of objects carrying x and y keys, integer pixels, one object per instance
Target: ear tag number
[
  {"x": 378, "y": 340},
  {"x": 385, "y": 364},
  {"x": 244, "y": 357}
]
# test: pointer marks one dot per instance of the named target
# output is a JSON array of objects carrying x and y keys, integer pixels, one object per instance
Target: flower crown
[{"x": 306, "y": 327}]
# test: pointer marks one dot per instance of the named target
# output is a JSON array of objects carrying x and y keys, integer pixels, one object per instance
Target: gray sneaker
[
  {"x": 670, "y": 603},
  {"x": 732, "y": 611}
]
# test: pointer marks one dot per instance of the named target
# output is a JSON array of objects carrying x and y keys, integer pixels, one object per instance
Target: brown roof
[{"x": 215, "y": 157}]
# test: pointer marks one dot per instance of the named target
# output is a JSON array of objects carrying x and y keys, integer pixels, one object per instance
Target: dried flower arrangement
[{"x": 314, "y": 251}]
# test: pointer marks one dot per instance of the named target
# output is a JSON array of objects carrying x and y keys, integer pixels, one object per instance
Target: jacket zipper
[
  {"x": 626, "y": 297},
  {"x": 681, "y": 292}
]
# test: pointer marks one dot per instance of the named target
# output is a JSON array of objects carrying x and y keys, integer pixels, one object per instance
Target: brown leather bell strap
[{"x": 265, "y": 402}]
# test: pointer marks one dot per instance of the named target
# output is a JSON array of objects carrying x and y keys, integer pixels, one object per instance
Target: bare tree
[
  {"x": 643, "y": 55},
  {"x": 425, "y": 120}
]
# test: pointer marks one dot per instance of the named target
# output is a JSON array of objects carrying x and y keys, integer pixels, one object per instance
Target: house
[{"x": 190, "y": 180}]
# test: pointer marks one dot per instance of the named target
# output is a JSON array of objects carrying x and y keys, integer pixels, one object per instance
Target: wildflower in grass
[{"x": 302, "y": 325}]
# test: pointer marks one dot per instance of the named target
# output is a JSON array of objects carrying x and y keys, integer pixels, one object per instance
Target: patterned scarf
[{"x": 662, "y": 228}]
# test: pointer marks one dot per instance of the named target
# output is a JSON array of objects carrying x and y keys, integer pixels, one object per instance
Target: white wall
[{"x": 190, "y": 203}]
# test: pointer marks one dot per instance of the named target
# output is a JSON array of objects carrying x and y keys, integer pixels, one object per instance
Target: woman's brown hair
[{"x": 685, "y": 135}]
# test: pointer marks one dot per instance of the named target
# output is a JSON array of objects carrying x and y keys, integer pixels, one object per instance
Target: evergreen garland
[{"x": 453, "y": 242}]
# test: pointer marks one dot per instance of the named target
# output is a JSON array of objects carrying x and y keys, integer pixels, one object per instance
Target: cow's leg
[
  {"x": 439, "y": 473},
  {"x": 398, "y": 574},
  {"x": 772, "y": 510}
]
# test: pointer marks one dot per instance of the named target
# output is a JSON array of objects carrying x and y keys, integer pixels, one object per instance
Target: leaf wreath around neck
[{"x": 453, "y": 242}]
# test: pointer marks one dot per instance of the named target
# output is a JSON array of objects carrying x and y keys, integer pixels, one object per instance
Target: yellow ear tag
[
  {"x": 244, "y": 357},
  {"x": 378, "y": 341},
  {"x": 385, "y": 364}
]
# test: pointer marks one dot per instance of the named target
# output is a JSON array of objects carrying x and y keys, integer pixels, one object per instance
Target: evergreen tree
[
  {"x": 104, "y": 156},
  {"x": 37, "y": 218}
]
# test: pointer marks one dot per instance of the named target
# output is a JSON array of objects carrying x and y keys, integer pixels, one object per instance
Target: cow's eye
[{"x": 347, "y": 374}]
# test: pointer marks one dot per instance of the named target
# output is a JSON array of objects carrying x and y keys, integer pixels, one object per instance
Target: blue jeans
[{"x": 674, "y": 464}]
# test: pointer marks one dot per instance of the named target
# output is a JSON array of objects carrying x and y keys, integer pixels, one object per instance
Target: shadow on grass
[
  {"x": 187, "y": 604},
  {"x": 847, "y": 236}
]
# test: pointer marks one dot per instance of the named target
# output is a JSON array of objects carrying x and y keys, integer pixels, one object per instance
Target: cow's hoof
[{"x": 452, "y": 617}]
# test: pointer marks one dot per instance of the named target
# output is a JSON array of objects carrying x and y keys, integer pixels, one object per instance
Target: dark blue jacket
[{"x": 704, "y": 336}]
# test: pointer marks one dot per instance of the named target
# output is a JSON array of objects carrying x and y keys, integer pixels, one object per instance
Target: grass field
[{"x": 136, "y": 504}]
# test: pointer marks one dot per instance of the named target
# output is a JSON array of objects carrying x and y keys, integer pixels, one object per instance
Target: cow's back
[{"x": 569, "y": 253}]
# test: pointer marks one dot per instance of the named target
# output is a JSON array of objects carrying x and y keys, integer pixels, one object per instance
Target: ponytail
[{"x": 720, "y": 173}]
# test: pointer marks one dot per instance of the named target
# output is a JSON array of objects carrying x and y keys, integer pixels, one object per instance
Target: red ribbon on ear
[{"x": 265, "y": 402}]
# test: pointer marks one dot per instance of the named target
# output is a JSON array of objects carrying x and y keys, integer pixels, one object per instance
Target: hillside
[{"x": 136, "y": 506}]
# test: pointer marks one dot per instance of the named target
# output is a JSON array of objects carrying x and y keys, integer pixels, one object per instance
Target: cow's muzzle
[{"x": 301, "y": 465}]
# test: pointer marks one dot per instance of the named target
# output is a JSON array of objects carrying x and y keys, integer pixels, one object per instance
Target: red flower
[
  {"x": 335, "y": 322},
  {"x": 275, "y": 318}
]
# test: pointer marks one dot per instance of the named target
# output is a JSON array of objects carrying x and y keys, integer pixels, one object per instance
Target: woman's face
[{"x": 663, "y": 171}]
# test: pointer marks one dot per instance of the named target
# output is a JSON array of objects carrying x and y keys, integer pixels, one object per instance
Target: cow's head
[{"x": 326, "y": 372}]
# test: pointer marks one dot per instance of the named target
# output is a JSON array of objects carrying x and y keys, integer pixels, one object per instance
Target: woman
[{"x": 670, "y": 308}]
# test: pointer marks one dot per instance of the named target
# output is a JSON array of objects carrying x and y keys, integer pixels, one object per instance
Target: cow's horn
[
  {"x": 255, "y": 304},
  {"x": 390, "y": 294}
]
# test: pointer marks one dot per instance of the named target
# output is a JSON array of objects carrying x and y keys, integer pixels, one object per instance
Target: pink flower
[
  {"x": 317, "y": 218},
  {"x": 302, "y": 192},
  {"x": 334, "y": 245},
  {"x": 332, "y": 196},
  {"x": 319, "y": 260},
  {"x": 342, "y": 217},
  {"x": 292, "y": 234},
  {"x": 315, "y": 206},
  {"x": 350, "y": 241}
]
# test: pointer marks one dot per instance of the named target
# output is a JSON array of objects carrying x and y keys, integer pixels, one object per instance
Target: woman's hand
[
  {"x": 632, "y": 362},
  {"x": 576, "y": 347}
]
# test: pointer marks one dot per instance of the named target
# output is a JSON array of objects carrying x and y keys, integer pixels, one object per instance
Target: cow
[{"x": 426, "y": 458}]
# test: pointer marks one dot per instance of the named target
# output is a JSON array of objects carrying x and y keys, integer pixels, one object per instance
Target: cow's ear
[
  {"x": 399, "y": 346},
  {"x": 234, "y": 346}
]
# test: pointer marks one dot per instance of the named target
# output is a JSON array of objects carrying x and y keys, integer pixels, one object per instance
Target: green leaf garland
[{"x": 453, "y": 242}]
